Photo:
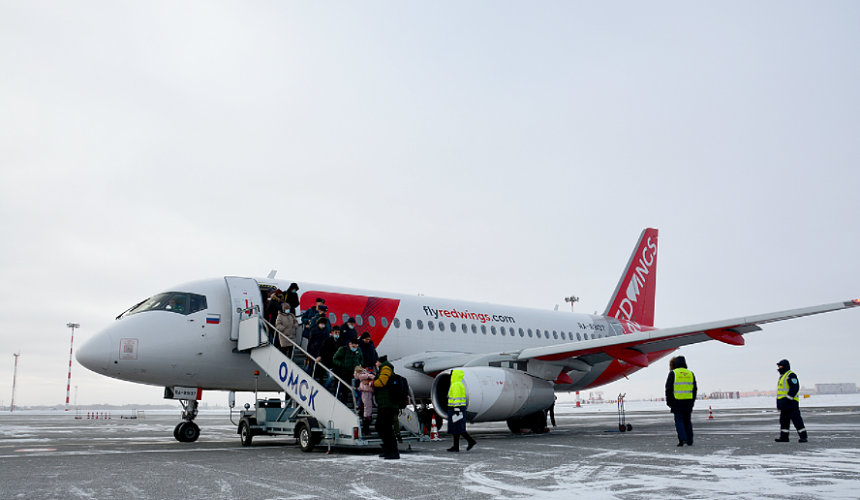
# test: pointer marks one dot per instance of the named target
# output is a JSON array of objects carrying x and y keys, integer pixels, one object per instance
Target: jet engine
[{"x": 494, "y": 394}]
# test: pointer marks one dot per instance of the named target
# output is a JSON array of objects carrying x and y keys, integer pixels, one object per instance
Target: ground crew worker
[
  {"x": 788, "y": 403},
  {"x": 681, "y": 392},
  {"x": 456, "y": 411},
  {"x": 387, "y": 409}
]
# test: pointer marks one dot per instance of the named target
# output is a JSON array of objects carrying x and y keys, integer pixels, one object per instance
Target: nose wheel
[{"x": 187, "y": 431}]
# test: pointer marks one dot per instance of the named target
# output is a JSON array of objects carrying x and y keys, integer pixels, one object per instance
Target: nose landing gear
[{"x": 187, "y": 431}]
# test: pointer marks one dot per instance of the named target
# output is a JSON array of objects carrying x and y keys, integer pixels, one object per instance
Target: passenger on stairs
[
  {"x": 368, "y": 350},
  {"x": 366, "y": 389},
  {"x": 346, "y": 360},
  {"x": 291, "y": 298},
  {"x": 327, "y": 351},
  {"x": 317, "y": 337},
  {"x": 348, "y": 331},
  {"x": 287, "y": 324}
]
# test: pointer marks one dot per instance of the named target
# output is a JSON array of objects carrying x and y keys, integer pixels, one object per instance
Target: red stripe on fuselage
[{"x": 356, "y": 305}]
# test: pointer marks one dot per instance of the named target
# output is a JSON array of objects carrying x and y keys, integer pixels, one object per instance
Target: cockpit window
[{"x": 178, "y": 302}]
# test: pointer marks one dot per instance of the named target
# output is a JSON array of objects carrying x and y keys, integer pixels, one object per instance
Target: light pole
[
  {"x": 571, "y": 300},
  {"x": 71, "y": 347},
  {"x": 14, "y": 379}
]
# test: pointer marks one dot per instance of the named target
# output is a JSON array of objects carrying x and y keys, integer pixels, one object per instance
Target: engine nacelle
[{"x": 494, "y": 394}]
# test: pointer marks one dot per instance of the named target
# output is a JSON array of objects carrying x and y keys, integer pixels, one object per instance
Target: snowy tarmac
[{"x": 49, "y": 455}]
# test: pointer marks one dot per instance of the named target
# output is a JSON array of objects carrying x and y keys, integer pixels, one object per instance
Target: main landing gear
[{"x": 187, "y": 431}]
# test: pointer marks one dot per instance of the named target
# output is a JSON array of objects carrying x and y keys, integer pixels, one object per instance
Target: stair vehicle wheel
[
  {"x": 245, "y": 433},
  {"x": 622, "y": 428},
  {"x": 306, "y": 438},
  {"x": 188, "y": 432},
  {"x": 629, "y": 427}
]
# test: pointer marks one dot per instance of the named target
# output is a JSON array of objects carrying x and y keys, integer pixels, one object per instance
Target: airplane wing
[{"x": 632, "y": 348}]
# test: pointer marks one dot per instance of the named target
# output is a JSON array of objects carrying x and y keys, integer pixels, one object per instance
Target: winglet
[{"x": 633, "y": 299}]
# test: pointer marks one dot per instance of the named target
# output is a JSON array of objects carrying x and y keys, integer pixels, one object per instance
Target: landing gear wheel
[
  {"x": 306, "y": 439},
  {"x": 187, "y": 432},
  {"x": 245, "y": 433},
  {"x": 176, "y": 431},
  {"x": 515, "y": 425},
  {"x": 537, "y": 422}
]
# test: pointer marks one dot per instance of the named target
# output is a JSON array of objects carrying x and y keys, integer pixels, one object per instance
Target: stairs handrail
[{"x": 313, "y": 371}]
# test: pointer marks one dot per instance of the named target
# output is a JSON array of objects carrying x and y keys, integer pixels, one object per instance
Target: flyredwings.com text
[{"x": 483, "y": 318}]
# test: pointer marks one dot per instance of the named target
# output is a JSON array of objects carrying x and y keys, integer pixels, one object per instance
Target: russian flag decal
[{"x": 213, "y": 319}]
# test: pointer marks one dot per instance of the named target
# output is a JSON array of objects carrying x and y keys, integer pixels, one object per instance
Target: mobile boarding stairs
[{"x": 309, "y": 412}]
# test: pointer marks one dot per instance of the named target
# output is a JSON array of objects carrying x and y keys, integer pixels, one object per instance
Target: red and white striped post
[{"x": 71, "y": 347}]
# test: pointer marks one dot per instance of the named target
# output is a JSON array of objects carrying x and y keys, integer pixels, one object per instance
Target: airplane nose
[{"x": 95, "y": 353}]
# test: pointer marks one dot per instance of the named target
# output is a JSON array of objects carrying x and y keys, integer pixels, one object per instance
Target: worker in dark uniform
[
  {"x": 788, "y": 403},
  {"x": 681, "y": 392}
]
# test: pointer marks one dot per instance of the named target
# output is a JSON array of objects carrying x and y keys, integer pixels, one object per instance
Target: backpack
[{"x": 399, "y": 390}]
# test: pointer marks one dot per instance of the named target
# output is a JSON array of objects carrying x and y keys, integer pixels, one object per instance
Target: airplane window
[
  {"x": 453, "y": 327},
  {"x": 332, "y": 318},
  {"x": 384, "y": 322},
  {"x": 522, "y": 333},
  {"x": 408, "y": 324},
  {"x": 441, "y": 326},
  {"x": 555, "y": 334},
  {"x": 419, "y": 324},
  {"x": 474, "y": 329},
  {"x": 431, "y": 325},
  {"x": 530, "y": 332},
  {"x": 493, "y": 329},
  {"x": 396, "y": 322},
  {"x": 537, "y": 333},
  {"x": 464, "y": 328},
  {"x": 345, "y": 317},
  {"x": 578, "y": 337},
  {"x": 371, "y": 320},
  {"x": 484, "y": 329},
  {"x": 502, "y": 330},
  {"x": 359, "y": 320},
  {"x": 178, "y": 302}
]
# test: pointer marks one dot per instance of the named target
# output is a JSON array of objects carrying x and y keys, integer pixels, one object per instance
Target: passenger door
[{"x": 245, "y": 301}]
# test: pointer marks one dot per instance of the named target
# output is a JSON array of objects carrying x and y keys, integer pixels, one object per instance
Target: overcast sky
[{"x": 503, "y": 152}]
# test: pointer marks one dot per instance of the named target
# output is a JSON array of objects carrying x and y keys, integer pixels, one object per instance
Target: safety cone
[
  {"x": 710, "y": 413},
  {"x": 434, "y": 433}
]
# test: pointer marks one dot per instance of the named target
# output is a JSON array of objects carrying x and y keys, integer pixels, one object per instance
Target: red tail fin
[{"x": 634, "y": 296}]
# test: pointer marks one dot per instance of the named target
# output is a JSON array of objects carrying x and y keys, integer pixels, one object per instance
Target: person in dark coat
[
  {"x": 291, "y": 298},
  {"x": 346, "y": 360},
  {"x": 681, "y": 390},
  {"x": 327, "y": 351},
  {"x": 368, "y": 350},
  {"x": 788, "y": 403},
  {"x": 387, "y": 409},
  {"x": 347, "y": 331},
  {"x": 315, "y": 342}
]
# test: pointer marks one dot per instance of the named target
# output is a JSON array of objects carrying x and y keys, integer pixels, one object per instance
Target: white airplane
[{"x": 514, "y": 358}]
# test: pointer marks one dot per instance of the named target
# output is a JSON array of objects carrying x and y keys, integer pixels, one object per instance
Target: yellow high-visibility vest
[
  {"x": 782, "y": 387},
  {"x": 684, "y": 380}
]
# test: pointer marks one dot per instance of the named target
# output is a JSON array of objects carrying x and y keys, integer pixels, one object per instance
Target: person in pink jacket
[{"x": 366, "y": 390}]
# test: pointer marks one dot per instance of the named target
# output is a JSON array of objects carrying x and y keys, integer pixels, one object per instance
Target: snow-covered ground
[{"x": 567, "y": 403}]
